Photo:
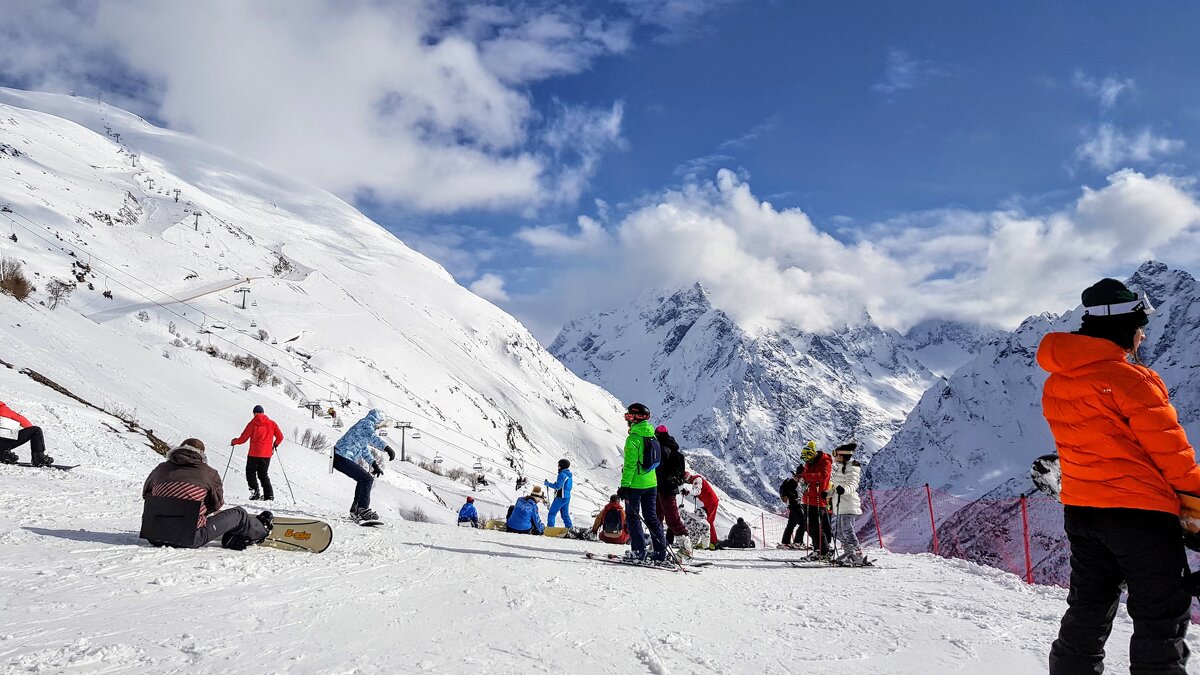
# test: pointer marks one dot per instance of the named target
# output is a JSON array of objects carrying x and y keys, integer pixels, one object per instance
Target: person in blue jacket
[
  {"x": 352, "y": 456},
  {"x": 562, "y": 496},
  {"x": 468, "y": 514},
  {"x": 524, "y": 518}
]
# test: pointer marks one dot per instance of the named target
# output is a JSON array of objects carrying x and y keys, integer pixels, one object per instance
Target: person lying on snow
[
  {"x": 22, "y": 431},
  {"x": 524, "y": 518},
  {"x": 740, "y": 536},
  {"x": 183, "y": 497}
]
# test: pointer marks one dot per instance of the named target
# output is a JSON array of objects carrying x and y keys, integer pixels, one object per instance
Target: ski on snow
[
  {"x": 819, "y": 564},
  {"x": 615, "y": 559}
]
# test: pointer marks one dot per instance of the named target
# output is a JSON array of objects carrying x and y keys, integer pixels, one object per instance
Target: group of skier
[{"x": 822, "y": 500}]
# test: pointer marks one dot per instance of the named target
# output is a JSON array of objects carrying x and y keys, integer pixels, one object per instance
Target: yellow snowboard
[
  {"x": 494, "y": 525},
  {"x": 559, "y": 532}
]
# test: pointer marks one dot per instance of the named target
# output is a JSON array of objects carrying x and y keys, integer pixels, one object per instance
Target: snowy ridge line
[{"x": 298, "y": 376}]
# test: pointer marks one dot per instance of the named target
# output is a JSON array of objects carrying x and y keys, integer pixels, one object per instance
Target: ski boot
[
  {"x": 44, "y": 460},
  {"x": 633, "y": 558},
  {"x": 363, "y": 514},
  {"x": 255, "y": 495},
  {"x": 8, "y": 457},
  {"x": 268, "y": 497}
]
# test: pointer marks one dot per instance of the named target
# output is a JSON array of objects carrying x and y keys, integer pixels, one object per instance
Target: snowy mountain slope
[
  {"x": 750, "y": 400},
  {"x": 80, "y": 593},
  {"x": 984, "y": 426},
  {"x": 173, "y": 228}
]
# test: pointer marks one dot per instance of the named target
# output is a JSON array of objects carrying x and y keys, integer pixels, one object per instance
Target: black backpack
[
  {"x": 612, "y": 522},
  {"x": 652, "y": 455}
]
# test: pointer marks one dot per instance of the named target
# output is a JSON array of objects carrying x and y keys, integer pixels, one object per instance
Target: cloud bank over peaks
[
  {"x": 763, "y": 265},
  {"x": 418, "y": 103}
]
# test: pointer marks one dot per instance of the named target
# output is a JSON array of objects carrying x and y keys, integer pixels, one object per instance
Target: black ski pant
[
  {"x": 32, "y": 436},
  {"x": 1143, "y": 549},
  {"x": 363, "y": 479},
  {"x": 819, "y": 530},
  {"x": 233, "y": 523},
  {"x": 795, "y": 524},
  {"x": 256, "y": 470}
]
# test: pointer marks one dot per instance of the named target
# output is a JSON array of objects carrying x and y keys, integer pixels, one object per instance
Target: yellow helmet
[{"x": 809, "y": 451}]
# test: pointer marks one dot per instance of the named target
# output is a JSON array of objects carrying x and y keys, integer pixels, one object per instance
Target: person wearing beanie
[
  {"x": 670, "y": 476},
  {"x": 562, "y": 494},
  {"x": 740, "y": 536},
  {"x": 1123, "y": 456},
  {"x": 182, "y": 501},
  {"x": 845, "y": 504},
  {"x": 523, "y": 517},
  {"x": 468, "y": 514},
  {"x": 264, "y": 436},
  {"x": 16, "y": 431}
]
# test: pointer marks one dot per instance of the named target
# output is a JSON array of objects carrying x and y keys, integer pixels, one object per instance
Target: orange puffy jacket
[
  {"x": 1119, "y": 440},
  {"x": 263, "y": 434}
]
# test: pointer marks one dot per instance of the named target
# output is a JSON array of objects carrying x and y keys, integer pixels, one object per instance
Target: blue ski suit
[
  {"x": 562, "y": 498},
  {"x": 468, "y": 514},
  {"x": 525, "y": 518}
]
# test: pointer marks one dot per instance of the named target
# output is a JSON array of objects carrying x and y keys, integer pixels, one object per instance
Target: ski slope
[{"x": 80, "y": 593}]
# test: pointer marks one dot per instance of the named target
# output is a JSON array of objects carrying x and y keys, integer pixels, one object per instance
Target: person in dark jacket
[
  {"x": 22, "y": 431},
  {"x": 740, "y": 536},
  {"x": 670, "y": 476},
  {"x": 468, "y": 514},
  {"x": 264, "y": 436},
  {"x": 789, "y": 492},
  {"x": 183, "y": 497},
  {"x": 524, "y": 518}
]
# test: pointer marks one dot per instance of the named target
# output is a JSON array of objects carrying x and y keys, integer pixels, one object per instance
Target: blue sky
[{"x": 924, "y": 147}]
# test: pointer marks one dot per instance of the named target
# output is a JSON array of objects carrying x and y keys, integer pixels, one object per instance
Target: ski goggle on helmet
[
  {"x": 1142, "y": 304},
  {"x": 637, "y": 412}
]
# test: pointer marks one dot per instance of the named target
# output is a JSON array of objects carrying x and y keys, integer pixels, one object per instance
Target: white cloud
[
  {"x": 1107, "y": 147},
  {"x": 903, "y": 72},
  {"x": 764, "y": 265},
  {"x": 490, "y": 287},
  {"x": 591, "y": 237},
  {"x": 1106, "y": 91},
  {"x": 415, "y": 102}
]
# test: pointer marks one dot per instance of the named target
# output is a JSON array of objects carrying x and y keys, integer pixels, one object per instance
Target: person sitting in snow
[
  {"x": 22, "y": 431},
  {"x": 846, "y": 505},
  {"x": 562, "y": 496},
  {"x": 740, "y": 536},
  {"x": 468, "y": 514},
  {"x": 610, "y": 523},
  {"x": 264, "y": 436},
  {"x": 183, "y": 497},
  {"x": 353, "y": 457},
  {"x": 523, "y": 517},
  {"x": 699, "y": 486}
]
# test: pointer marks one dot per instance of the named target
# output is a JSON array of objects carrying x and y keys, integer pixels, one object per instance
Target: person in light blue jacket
[
  {"x": 353, "y": 457},
  {"x": 524, "y": 518},
  {"x": 562, "y": 495},
  {"x": 468, "y": 514}
]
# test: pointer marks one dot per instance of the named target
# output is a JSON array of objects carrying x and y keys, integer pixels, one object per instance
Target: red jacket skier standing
[
  {"x": 816, "y": 473},
  {"x": 264, "y": 436}
]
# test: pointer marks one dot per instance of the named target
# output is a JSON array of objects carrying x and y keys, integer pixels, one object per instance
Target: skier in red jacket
[
  {"x": 816, "y": 473},
  {"x": 699, "y": 486},
  {"x": 264, "y": 436},
  {"x": 19, "y": 432}
]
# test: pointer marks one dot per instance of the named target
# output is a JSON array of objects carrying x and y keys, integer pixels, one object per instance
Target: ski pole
[
  {"x": 837, "y": 514},
  {"x": 285, "y": 478},
  {"x": 227, "y": 463}
]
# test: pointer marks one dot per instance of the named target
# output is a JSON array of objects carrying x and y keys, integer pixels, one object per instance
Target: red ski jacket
[
  {"x": 263, "y": 434},
  {"x": 11, "y": 414},
  {"x": 816, "y": 476}
]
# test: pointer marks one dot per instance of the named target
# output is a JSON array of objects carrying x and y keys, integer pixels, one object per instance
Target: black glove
[
  {"x": 376, "y": 470},
  {"x": 841, "y": 490},
  {"x": 391, "y": 453},
  {"x": 624, "y": 493}
]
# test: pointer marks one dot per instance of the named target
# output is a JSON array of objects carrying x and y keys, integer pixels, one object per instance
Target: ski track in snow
[{"x": 81, "y": 593}]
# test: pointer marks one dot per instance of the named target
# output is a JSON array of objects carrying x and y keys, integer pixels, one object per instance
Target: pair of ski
[
  {"x": 614, "y": 559},
  {"x": 805, "y": 563}
]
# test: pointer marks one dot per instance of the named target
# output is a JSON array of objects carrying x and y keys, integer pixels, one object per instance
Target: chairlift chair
[
  {"x": 437, "y": 458},
  {"x": 254, "y": 324},
  {"x": 254, "y": 303},
  {"x": 478, "y": 466},
  {"x": 416, "y": 435}
]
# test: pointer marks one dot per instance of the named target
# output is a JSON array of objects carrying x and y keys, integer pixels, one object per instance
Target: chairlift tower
[
  {"x": 403, "y": 427},
  {"x": 244, "y": 290}
]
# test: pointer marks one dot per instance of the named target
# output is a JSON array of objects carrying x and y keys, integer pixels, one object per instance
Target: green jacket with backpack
[{"x": 631, "y": 474}]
